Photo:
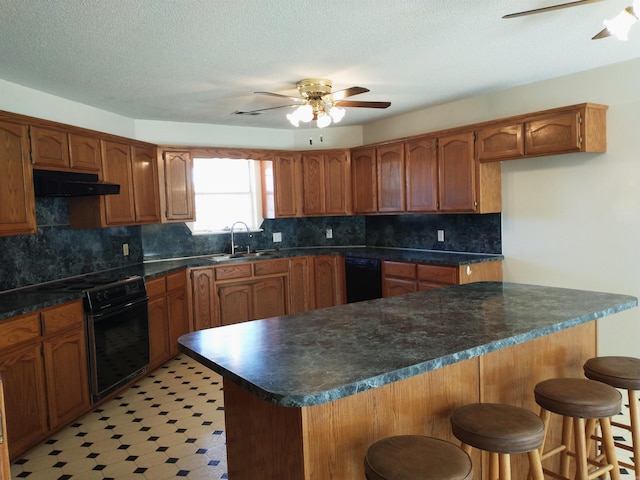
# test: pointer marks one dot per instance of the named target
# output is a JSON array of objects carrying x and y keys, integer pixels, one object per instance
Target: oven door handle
[{"x": 110, "y": 311}]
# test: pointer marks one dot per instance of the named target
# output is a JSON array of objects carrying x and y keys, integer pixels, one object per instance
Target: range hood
[{"x": 49, "y": 183}]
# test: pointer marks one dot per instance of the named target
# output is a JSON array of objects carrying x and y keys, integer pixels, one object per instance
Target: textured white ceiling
[{"x": 200, "y": 60}]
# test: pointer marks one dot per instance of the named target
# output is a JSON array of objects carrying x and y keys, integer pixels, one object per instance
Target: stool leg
[
  {"x": 635, "y": 430},
  {"x": 609, "y": 447},
  {"x": 505, "y": 466},
  {"x": 535, "y": 466},
  {"x": 582, "y": 468},
  {"x": 494, "y": 466},
  {"x": 545, "y": 415},
  {"x": 568, "y": 424}
]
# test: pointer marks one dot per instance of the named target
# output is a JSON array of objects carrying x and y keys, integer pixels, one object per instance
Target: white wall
[{"x": 568, "y": 220}]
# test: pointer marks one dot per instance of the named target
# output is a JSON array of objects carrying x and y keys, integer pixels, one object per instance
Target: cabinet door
[
  {"x": 235, "y": 303},
  {"x": 178, "y": 179},
  {"x": 65, "y": 358},
  {"x": 49, "y": 148},
  {"x": 554, "y": 134},
  {"x": 421, "y": 167},
  {"x": 203, "y": 296},
  {"x": 456, "y": 173},
  {"x": 269, "y": 298},
  {"x": 159, "y": 351},
  {"x": 391, "y": 184},
  {"x": 17, "y": 208},
  {"x": 313, "y": 184},
  {"x": 84, "y": 153},
  {"x": 5, "y": 467},
  {"x": 397, "y": 286},
  {"x": 25, "y": 399},
  {"x": 145, "y": 184},
  {"x": 116, "y": 166},
  {"x": 365, "y": 184},
  {"x": 178, "y": 315},
  {"x": 337, "y": 183},
  {"x": 300, "y": 285},
  {"x": 502, "y": 142},
  {"x": 329, "y": 280},
  {"x": 286, "y": 185}
]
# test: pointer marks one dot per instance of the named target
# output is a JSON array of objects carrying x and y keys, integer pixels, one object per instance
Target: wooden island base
[{"x": 328, "y": 441}]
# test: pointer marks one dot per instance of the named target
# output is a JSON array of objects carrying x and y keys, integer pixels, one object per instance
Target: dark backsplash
[{"x": 57, "y": 251}]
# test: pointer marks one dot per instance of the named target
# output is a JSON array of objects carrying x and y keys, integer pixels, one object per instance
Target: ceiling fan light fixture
[
  {"x": 337, "y": 113},
  {"x": 622, "y": 23},
  {"x": 304, "y": 113},
  {"x": 324, "y": 120}
]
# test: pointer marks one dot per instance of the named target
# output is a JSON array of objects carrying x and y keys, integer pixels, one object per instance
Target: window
[{"x": 226, "y": 190}]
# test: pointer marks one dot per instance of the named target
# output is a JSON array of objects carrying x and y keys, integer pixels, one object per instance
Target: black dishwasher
[{"x": 363, "y": 279}]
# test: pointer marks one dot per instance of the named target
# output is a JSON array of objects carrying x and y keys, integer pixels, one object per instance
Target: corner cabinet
[{"x": 17, "y": 208}]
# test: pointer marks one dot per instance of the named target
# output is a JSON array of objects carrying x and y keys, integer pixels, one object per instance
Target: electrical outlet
[
  {"x": 125, "y": 249},
  {"x": 277, "y": 237},
  {"x": 441, "y": 235},
  {"x": 329, "y": 232}
]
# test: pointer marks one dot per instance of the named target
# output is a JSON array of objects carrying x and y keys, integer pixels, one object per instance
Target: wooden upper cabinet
[
  {"x": 286, "y": 179},
  {"x": 119, "y": 209},
  {"x": 391, "y": 178},
  {"x": 84, "y": 153},
  {"x": 364, "y": 175},
  {"x": 554, "y": 134},
  {"x": 337, "y": 185},
  {"x": 500, "y": 143},
  {"x": 421, "y": 167},
  {"x": 17, "y": 208},
  {"x": 457, "y": 177},
  {"x": 145, "y": 184},
  {"x": 177, "y": 178},
  {"x": 49, "y": 147},
  {"x": 62, "y": 150},
  {"x": 326, "y": 183}
]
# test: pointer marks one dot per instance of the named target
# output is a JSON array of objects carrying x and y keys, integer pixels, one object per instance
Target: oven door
[{"x": 118, "y": 343}]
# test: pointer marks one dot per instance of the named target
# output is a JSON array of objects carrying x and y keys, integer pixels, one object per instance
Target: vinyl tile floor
[{"x": 169, "y": 425}]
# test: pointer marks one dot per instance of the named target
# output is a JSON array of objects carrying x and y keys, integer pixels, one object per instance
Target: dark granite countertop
[
  {"x": 29, "y": 299},
  {"x": 323, "y": 355}
]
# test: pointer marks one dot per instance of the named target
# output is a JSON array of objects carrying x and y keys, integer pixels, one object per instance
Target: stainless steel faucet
[{"x": 233, "y": 243}]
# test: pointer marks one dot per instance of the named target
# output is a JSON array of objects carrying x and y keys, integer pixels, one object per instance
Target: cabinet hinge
[
  {"x": 475, "y": 204},
  {"x": 580, "y": 118},
  {"x": 474, "y": 136},
  {"x": 580, "y": 139}
]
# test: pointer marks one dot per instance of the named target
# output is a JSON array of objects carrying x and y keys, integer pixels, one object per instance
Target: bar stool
[
  {"x": 623, "y": 373},
  {"x": 500, "y": 430},
  {"x": 577, "y": 399},
  {"x": 416, "y": 457}
]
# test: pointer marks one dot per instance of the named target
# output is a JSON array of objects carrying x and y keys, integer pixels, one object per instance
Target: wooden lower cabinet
[
  {"x": 44, "y": 370},
  {"x": 399, "y": 278},
  {"x": 168, "y": 316},
  {"x": 301, "y": 285},
  {"x": 5, "y": 467},
  {"x": 330, "y": 288},
  {"x": 203, "y": 298}
]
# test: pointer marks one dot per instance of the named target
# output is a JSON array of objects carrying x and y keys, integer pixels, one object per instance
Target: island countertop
[{"x": 320, "y": 356}]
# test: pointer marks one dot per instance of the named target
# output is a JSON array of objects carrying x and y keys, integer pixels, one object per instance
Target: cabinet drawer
[
  {"x": 438, "y": 274},
  {"x": 400, "y": 270},
  {"x": 19, "y": 330},
  {"x": 156, "y": 287},
  {"x": 176, "y": 281},
  {"x": 58, "y": 318},
  {"x": 233, "y": 271},
  {"x": 271, "y": 266}
]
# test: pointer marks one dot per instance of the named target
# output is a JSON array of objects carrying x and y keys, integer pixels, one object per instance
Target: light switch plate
[
  {"x": 277, "y": 236},
  {"x": 441, "y": 235}
]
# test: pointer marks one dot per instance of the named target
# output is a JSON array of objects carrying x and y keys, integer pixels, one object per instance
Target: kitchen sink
[{"x": 225, "y": 257}]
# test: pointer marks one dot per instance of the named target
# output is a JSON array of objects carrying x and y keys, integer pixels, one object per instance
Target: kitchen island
[{"x": 306, "y": 394}]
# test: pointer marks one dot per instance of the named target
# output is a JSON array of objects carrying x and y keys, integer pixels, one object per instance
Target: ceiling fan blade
[
  {"x": 256, "y": 112},
  {"x": 347, "y": 92},
  {"x": 604, "y": 33},
  {"x": 352, "y": 103},
  {"x": 552, "y": 7},
  {"x": 271, "y": 94}
]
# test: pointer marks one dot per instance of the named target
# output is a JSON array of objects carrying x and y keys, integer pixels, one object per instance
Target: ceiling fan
[
  {"x": 317, "y": 102},
  {"x": 618, "y": 26}
]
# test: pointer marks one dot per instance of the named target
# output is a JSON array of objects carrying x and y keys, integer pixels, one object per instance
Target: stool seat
[
  {"x": 619, "y": 372},
  {"x": 416, "y": 457},
  {"x": 578, "y": 398},
  {"x": 497, "y": 427}
]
